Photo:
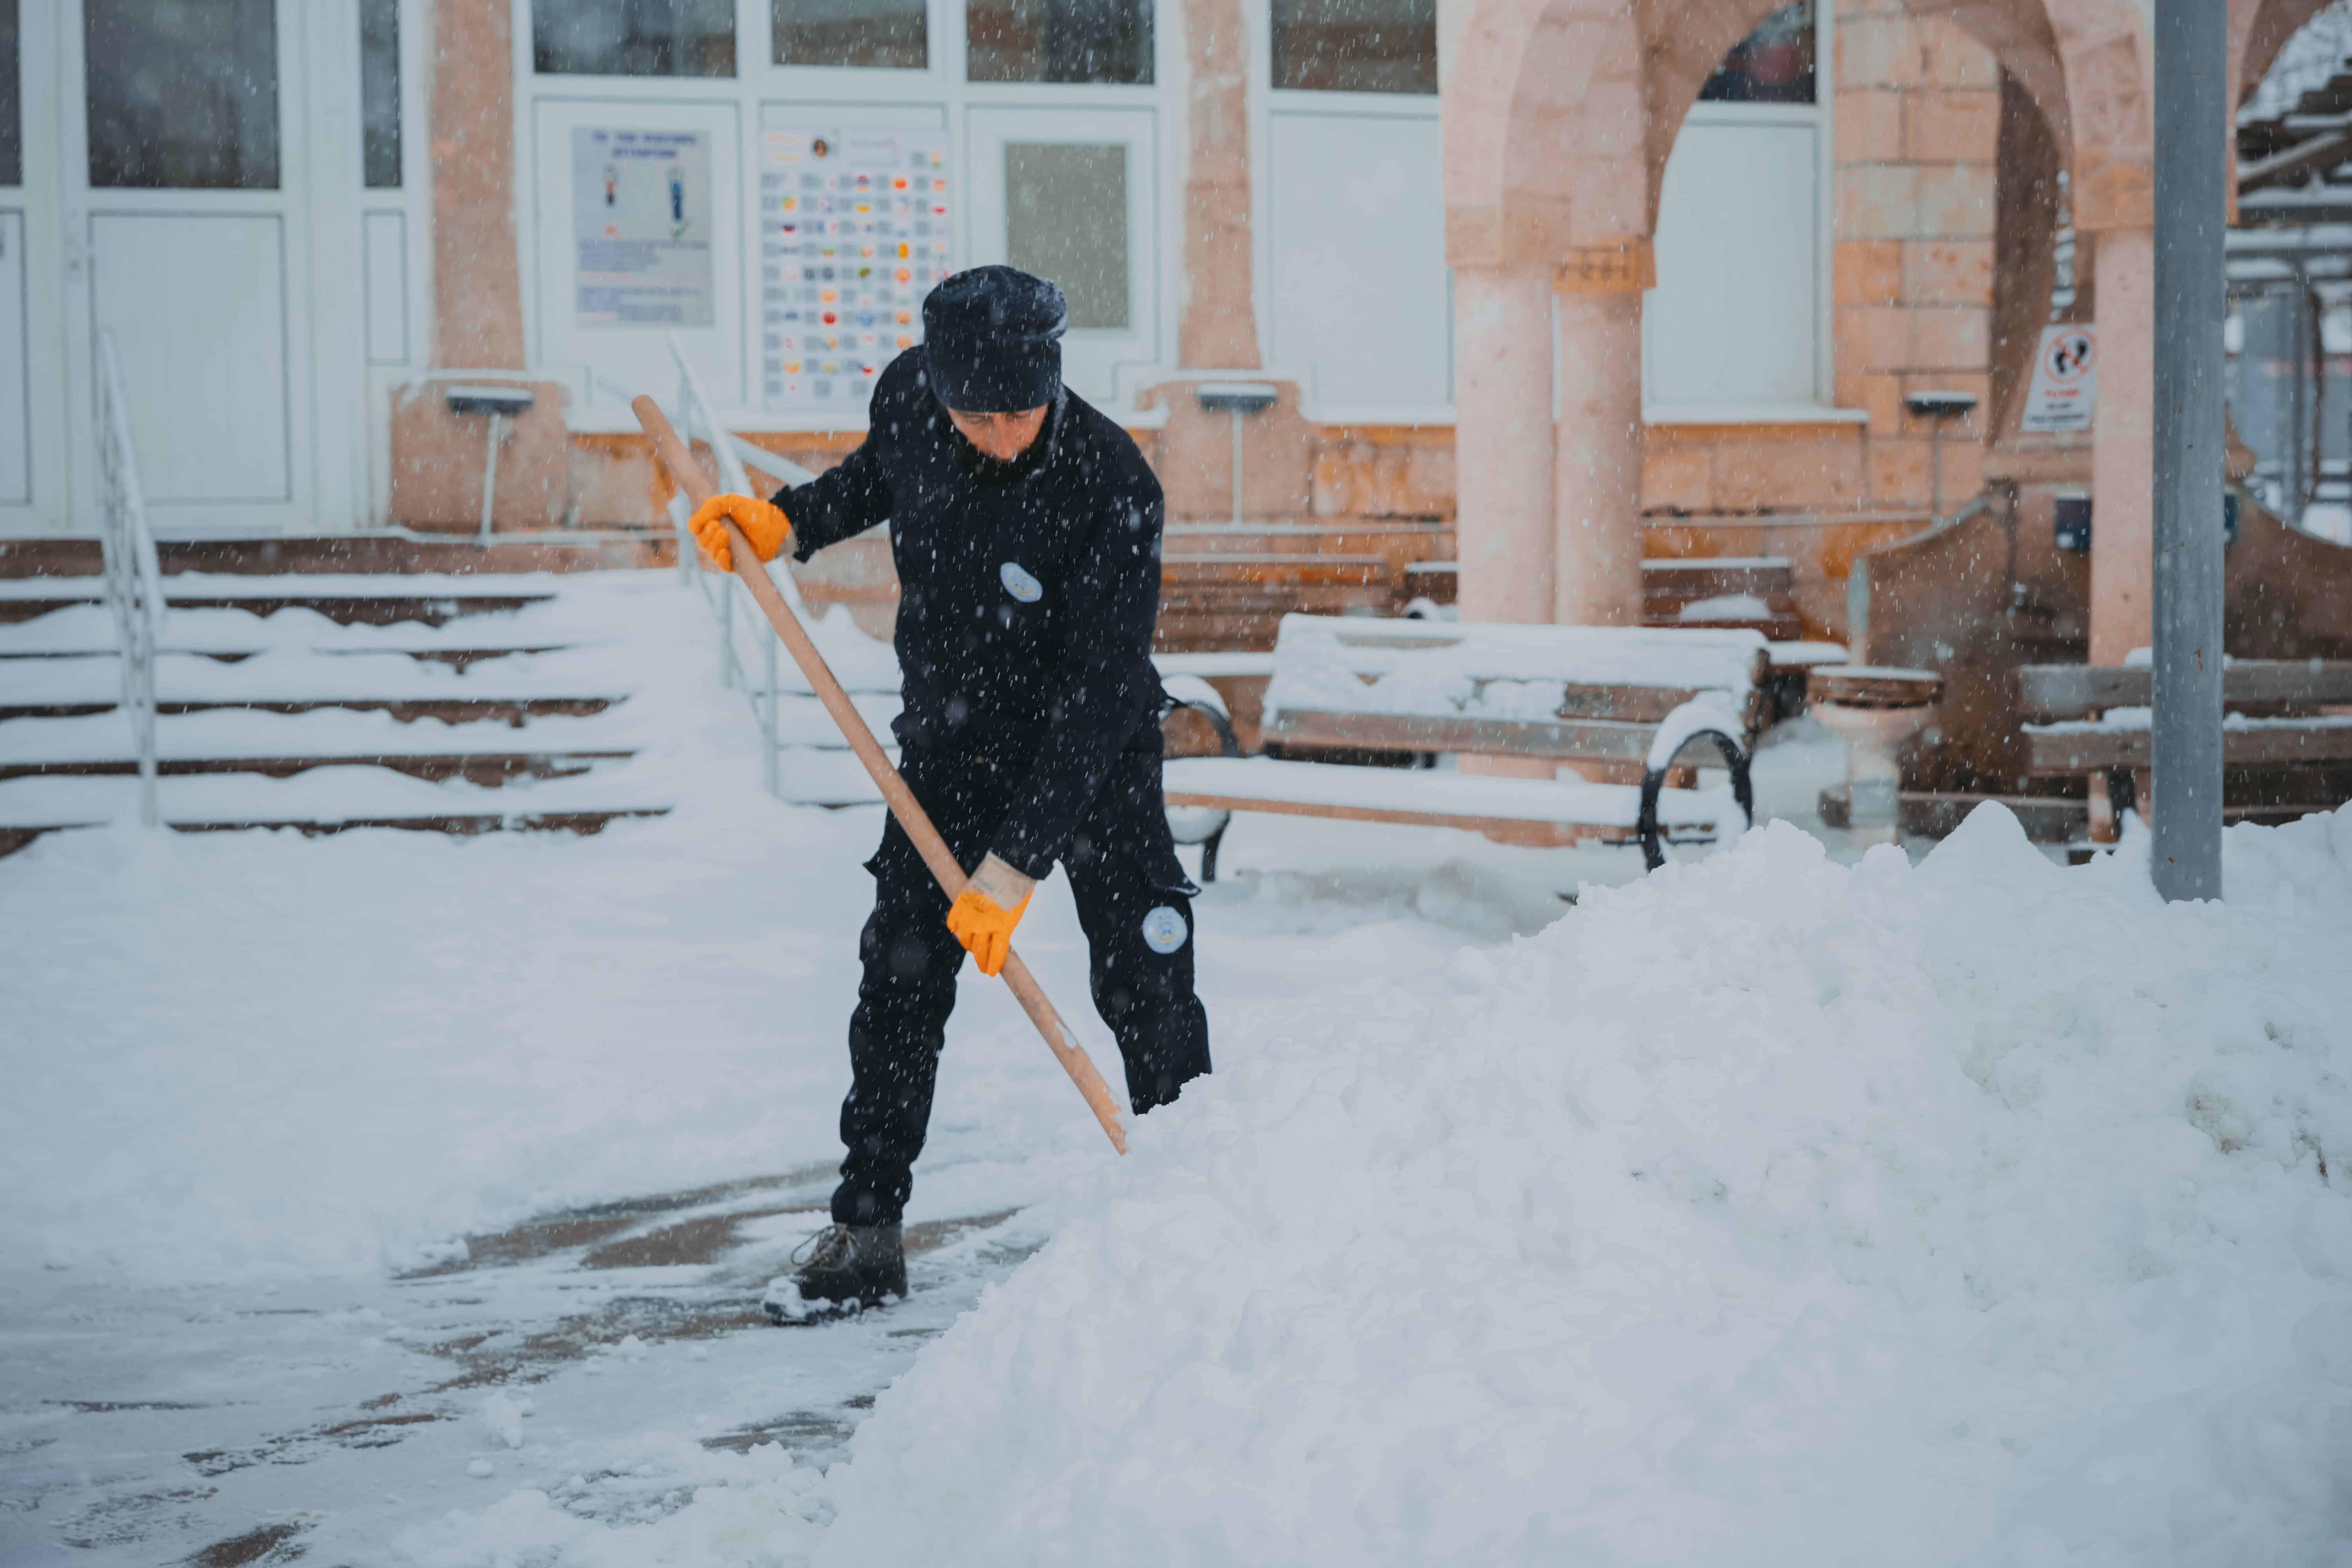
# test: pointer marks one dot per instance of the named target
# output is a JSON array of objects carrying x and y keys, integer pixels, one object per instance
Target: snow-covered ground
[{"x": 394, "y": 1200}]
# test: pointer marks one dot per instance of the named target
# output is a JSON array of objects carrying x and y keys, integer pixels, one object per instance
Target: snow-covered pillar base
[{"x": 1597, "y": 497}]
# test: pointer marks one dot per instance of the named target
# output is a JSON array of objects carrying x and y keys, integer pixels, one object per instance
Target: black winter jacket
[{"x": 1028, "y": 592}]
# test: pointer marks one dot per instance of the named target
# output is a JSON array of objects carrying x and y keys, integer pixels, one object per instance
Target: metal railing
[
  {"x": 696, "y": 419},
  {"x": 134, "y": 582}
]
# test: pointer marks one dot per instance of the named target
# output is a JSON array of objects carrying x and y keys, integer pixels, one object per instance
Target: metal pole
[
  {"x": 2192, "y": 145},
  {"x": 491, "y": 474},
  {"x": 2299, "y": 347},
  {"x": 767, "y": 730},
  {"x": 1237, "y": 413},
  {"x": 1935, "y": 477}
]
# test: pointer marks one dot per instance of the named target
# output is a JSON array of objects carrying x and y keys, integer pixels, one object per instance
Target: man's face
[{"x": 1002, "y": 436}]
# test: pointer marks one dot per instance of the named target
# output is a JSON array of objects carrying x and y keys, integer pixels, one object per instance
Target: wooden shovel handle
[{"x": 679, "y": 460}]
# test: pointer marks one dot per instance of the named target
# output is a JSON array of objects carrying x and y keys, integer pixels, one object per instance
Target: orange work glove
[
  {"x": 764, "y": 524},
  {"x": 984, "y": 927}
]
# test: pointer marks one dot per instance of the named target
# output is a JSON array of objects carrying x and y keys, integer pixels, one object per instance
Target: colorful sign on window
[{"x": 854, "y": 232}]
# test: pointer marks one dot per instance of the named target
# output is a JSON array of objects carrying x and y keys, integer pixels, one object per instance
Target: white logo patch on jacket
[
  {"x": 1020, "y": 583},
  {"x": 1164, "y": 930}
]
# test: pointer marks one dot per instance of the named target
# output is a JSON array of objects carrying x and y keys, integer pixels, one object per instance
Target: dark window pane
[
  {"x": 380, "y": 93},
  {"x": 1774, "y": 64},
  {"x": 1065, "y": 218},
  {"x": 1058, "y": 41},
  {"x": 182, "y": 95},
  {"x": 12, "y": 144},
  {"x": 881, "y": 34},
  {"x": 1356, "y": 46},
  {"x": 632, "y": 37}
]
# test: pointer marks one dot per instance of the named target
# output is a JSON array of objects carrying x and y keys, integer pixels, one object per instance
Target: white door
[
  {"x": 1068, "y": 193},
  {"x": 187, "y": 234}
]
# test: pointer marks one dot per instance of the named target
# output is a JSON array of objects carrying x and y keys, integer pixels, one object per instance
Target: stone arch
[
  {"x": 2102, "y": 45},
  {"x": 2019, "y": 34},
  {"x": 1560, "y": 115},
  {"x": 1685, "y": 40},
  {"x": 2258, "y": 29},
  {"x": 1542, "y": 124},
  {"x": 1557, "y": 117}
]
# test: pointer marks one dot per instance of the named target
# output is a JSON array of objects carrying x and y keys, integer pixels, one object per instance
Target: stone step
[
  {"x": 512, "y": 712},
  {"x": 456, "y": 826},
  {"x": 484, "y": 768},
  {"x": 336, "y": 794},
  {"x": 345, "y": 600},
  {"x": 457, "y": 658},
  {"x": 237, "y": 740}
]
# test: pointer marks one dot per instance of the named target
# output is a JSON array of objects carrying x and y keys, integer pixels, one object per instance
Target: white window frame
[
  {"x": 412, "y": 205},
  {"x": 1822, "y": 113},
  {"x": 1154, "y": 253},
  {"x": 1318, "y": 404}
]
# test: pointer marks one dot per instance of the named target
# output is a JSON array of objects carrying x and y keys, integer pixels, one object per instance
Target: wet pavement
[{"x": 220, "y": 1426}]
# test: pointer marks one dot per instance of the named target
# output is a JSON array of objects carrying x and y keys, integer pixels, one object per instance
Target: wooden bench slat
[
  {"x": 1516, "y": 830},
  {"x": 2070, "y": 751},
  {"x": 1421, "y": 797},
  {"x": 2061, "y": 691},
  {"x": 1593, "y": 740}
]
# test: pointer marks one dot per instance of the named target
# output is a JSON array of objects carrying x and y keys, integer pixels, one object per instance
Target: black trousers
[{"x": 1134, "y": 903}]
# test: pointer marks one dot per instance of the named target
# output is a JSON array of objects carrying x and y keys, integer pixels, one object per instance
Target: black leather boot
[{"x": 859, "y": 1263}]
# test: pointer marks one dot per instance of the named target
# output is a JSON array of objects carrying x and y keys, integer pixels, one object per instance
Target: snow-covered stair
[{"x": 458, "y": 704}]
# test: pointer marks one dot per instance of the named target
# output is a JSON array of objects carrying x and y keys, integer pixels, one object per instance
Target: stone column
[
  {"x": 1216, "y": 324},
  {"x": 1597, "y": 469},
  {"x": 1216, "y": 310},
  {"x": 1503, "y": 442},
  {"x": 2123, "y": 451},
  {"x": 469, "y": 112},
  {"x": 437, "y": 456},
  {"x": 2114, "y": 202}
]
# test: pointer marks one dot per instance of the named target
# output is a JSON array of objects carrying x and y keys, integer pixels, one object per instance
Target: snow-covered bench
[
  {"x": 1623, "y": 703},
  {"x": 2278, "y": 714}
]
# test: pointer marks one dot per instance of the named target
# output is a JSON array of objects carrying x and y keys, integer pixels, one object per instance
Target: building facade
[{"x": 1601, "y": 282}]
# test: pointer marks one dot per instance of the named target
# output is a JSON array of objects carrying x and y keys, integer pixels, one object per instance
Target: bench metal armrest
[
  {"x": 1736, "y": 752},
  {"x": 1217, "y": 722}
]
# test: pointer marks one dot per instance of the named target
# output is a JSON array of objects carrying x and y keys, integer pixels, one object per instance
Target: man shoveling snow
[{"x": 1025, "y": 527}]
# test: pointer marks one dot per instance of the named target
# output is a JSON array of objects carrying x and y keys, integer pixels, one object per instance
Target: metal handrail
[
  {"x": 135, "y": 580},
  {"x": 696, "y": 419}
]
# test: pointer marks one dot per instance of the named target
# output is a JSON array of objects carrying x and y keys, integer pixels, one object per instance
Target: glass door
[{"x": 186, "y": 235}]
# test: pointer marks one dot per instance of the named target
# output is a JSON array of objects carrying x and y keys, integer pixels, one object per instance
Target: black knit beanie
[{"x": 992, "y": 339}]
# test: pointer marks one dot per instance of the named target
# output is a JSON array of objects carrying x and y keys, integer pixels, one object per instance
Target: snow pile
[{"x": 1766, "y": 1211}]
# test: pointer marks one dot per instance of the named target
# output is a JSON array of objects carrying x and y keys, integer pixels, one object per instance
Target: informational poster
[
  {"x": 2064, "y": 392},
  {"x": 854, "y": 232},
  {"x": 641, "y": 227}
]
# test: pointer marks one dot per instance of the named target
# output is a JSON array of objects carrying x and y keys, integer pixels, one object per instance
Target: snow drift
[{"x": 1766, "y": 1211}]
